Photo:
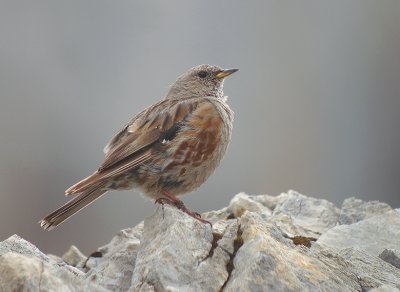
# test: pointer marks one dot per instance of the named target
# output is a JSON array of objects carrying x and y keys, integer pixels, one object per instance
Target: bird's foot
[
  {"x": 163, "y": 201},
  {"x": 195, "y": 215},
  {"x": 174, "y": 201}
]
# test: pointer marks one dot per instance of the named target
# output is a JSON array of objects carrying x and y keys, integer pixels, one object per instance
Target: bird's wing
[
  {"x": 132, "y": 145},
  {"x": 121, "y": 136}
]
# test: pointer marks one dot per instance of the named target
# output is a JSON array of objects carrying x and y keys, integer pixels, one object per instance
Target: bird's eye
[{"x": 202, "y": 74}]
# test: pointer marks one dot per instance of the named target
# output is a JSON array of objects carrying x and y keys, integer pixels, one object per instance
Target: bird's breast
[{"x": 194, "y": 153}]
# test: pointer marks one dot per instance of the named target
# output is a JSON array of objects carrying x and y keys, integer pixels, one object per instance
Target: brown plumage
[{"x": 168, "y": 149}]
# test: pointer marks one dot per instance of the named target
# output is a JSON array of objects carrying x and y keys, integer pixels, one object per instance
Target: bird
[{"x": 167, "y": 150}]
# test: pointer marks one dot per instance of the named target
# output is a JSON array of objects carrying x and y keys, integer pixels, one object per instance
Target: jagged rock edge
[{"x": 230, "y": 266}]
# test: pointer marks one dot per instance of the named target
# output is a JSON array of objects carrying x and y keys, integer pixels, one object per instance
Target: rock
[
  {"x": 73, "y": 256},
  {"x": 371, "y": 271},
  {"x": 179, "y": 253},
  {"x": 113, "y": 265},
  {"x": 268, "y": 201},
  {"x": 30, "y": 273},
  {"x": 19, "y": 245},
  {"x": 22, "y": 273},
  {"x": 304, "y": 215},
  {"x": 269, "y": 261},
  {"x": 259, "y": 242},
  {"x": 242, "y": 202},
  {"x": 354, "y": 210},
  {"x": 215, "y": 216},
  {"x": 384, "y": 288},
  {"x": 371, "y": 235},
  {"x": 391, "y": 256}
]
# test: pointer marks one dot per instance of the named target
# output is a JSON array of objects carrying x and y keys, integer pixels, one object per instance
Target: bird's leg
[
  {"x": 171, "y": 199},
  {"x": 174, "y": 201},
  {"x": 163, "y": 201}
]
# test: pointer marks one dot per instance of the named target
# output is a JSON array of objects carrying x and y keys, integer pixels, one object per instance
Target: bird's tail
[{"x": 71, "y": 207}]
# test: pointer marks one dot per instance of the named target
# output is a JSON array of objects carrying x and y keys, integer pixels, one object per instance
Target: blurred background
[{"x": 317, "y": 101}]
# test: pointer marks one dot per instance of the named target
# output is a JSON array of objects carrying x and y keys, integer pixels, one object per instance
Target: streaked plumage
[{"x": 168, "y": 149}]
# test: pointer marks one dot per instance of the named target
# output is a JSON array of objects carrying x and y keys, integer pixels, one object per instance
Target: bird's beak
[{"x": 225, "y": 73}]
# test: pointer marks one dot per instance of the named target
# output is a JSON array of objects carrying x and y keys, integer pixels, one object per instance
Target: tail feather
[
  {"x": 84, "y": 184},
  {"x": 71, "y": 207}
]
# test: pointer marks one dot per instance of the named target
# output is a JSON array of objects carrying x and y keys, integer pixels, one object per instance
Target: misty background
[{"x": 316, "y": 101}]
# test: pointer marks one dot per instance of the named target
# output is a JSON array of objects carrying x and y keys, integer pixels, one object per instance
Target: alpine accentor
[{"x": 168, "y": 149}]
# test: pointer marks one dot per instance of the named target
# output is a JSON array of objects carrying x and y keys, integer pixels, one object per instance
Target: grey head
[{"x": 199, "y": 81}]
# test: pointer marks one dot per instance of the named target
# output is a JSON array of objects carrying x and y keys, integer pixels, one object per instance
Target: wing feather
[
  {"x": 143, "y": 131},
  {"x": 133, "y": 145}
]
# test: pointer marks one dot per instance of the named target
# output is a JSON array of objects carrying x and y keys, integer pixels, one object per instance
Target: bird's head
[{"x": 200, "y": 81}]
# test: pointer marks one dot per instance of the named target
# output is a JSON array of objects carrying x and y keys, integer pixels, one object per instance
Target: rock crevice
[{"x": 237, "y": 243}]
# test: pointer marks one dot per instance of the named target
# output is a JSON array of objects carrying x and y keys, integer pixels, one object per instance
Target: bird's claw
[{"x": 179, "y": 205}]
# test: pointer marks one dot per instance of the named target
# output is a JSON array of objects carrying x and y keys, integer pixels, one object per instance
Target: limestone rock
[
  {"x": 19, "y": 245},
  {"x": 267, "y": 261},
  {"x": 289, "y": 242},
  {"x": 242, "y": 202},
  {"x": 371, "y": 235},
  {"x": 215, "y": 216},
  {"x": 268, "y": 201},
  {"x": 113, "y": 264},
  {"x": 73, "y": 256},
  {"x": 354, "y": 210},
  {"x": 316, "y": 215},
  {"x": 179, "y": 253},
  {"x": 371, "y": 271},
  {"x": 391, "y": 256},
  {"x": 22, "y": 273},
  {"x": 24, "y": 268},
  {"x": 384, "y": 288}
]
